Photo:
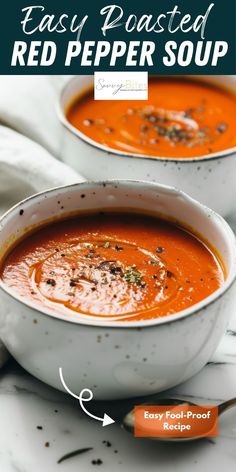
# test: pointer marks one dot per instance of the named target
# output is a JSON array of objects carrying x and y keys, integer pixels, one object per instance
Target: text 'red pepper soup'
[
  {"x": 113, "y": 266},
  {"x": 181, "y": 119}
]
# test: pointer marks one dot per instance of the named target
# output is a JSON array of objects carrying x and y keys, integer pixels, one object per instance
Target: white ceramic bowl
[
  {"x": 209, "y": 179},
  {"x": 116, "y": 359}
]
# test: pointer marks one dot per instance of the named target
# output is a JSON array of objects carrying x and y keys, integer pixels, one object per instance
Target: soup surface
[
  {"x": 113, "y": 266},
  {"x": 181, "y": 118}
]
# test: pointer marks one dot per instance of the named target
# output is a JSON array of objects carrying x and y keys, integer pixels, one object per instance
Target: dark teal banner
[{"x": 158, "y": 36}]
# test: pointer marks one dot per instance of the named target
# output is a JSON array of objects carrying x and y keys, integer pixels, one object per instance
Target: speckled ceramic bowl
[
  {"x": 116, "y": 359},
  {"x": 210, "y": 179}
]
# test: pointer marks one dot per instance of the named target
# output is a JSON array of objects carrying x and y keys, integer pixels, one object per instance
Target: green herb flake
[
  {"x": 106, "y": 245},
  {"x": 132, "y": 276}
]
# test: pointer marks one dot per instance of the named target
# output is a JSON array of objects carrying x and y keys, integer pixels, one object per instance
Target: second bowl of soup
[{"x": 183, "y": 135}]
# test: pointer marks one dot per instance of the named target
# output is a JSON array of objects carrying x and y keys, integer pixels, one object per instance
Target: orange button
[{"x": 183, "y": 421}]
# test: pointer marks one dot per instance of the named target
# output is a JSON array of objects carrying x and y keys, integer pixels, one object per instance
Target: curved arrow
[{"x": 106, "y": 420}]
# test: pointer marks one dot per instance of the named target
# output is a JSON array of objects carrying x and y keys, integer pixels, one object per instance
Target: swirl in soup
[{"x": 113, "y": 266}]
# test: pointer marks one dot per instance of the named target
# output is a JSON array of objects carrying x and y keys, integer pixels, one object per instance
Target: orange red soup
[
  {"x": 181, "y": 118},
  {"x": 113, "y": 266}
]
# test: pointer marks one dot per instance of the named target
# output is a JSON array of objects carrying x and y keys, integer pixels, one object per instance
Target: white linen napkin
[
  {"x": 27, "y": 108},
  {"x": 28, "y": 105},
  {"x": 27, "y": 168}
]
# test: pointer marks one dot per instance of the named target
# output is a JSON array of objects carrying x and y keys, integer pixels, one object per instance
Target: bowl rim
[
  {"x": 111, "y": 151},
  {"x": 138, "y": 324}
]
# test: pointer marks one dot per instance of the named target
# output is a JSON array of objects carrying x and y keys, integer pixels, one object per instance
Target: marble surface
[{"x": 26, "y": 404}]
